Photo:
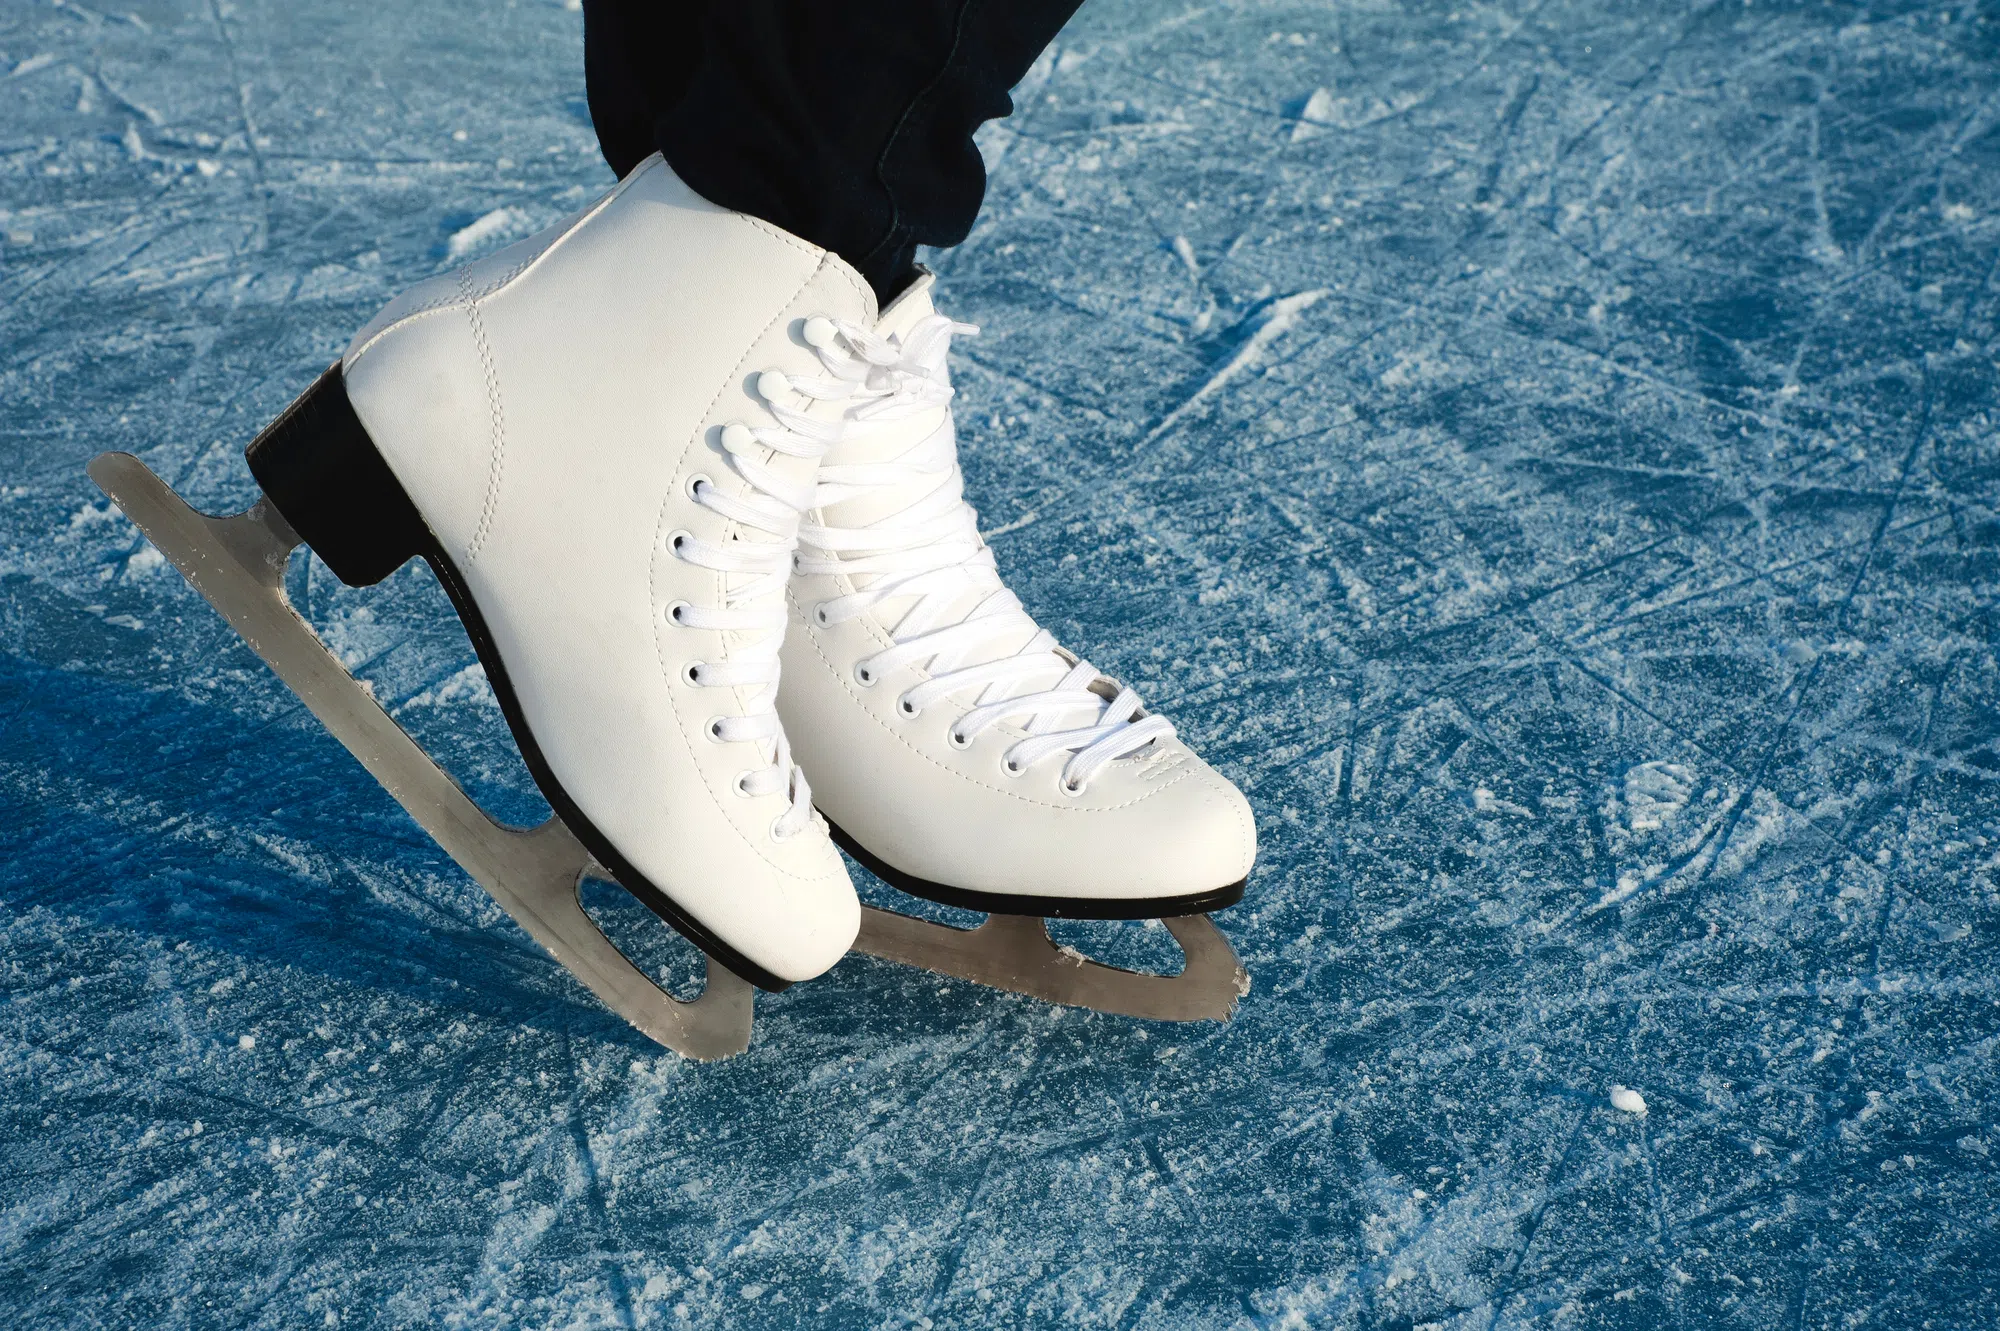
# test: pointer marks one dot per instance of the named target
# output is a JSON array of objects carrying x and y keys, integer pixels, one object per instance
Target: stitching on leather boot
[{"x": 497, "y": 466}]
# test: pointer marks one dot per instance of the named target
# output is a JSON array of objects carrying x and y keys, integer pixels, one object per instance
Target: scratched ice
[{"x": 1545, "y": 452}]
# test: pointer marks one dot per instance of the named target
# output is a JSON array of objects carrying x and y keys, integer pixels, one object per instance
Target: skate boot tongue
[
  {"x": 885, "y": 431},
  {"x": 901, "y": 423},
  {"x": 911, "y": 305}
]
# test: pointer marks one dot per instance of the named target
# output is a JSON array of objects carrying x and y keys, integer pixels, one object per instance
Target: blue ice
[{"x": 1546, "y": 453}]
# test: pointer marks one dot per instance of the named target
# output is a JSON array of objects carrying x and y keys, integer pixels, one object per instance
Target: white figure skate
[
  {"x": 601, "y": 439},
  {"x": 957, "y": 750}
]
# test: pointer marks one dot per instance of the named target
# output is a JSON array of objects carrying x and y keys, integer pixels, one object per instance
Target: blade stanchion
[
  {"x": 237, "y": 563},
  {"x": 1015, "y": 952}
]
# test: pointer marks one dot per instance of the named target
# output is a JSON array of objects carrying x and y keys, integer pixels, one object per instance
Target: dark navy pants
[{"x": 846, "y": 122}]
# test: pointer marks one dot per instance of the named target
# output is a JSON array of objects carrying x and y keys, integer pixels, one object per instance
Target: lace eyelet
[
  {"x": 778, "y": 832},
  {"x": 1010, "y": 766},
  {"x": 1073, "y": 789},
  {"x": 672, "y": 614},
  {"x": 772, "y": 385},
  {"x": 675, "y": 540},
  {"x": 957, "y": 740},
  {"x": 691, "y": 674},
  {"x": 818, "y": 331},
  {"x": 908, "y": 708},
  {"x": 715, "y": 729},
  {"x": 819, "y": 611},
  {"x": 864, "y": 676},
  {"x": 695, "y": 482},
  {"x": 741, "y": 779}
]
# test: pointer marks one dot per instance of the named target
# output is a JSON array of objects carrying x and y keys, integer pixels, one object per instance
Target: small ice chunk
[
  {"x": 246, "y": 1042},
  {"x": 1628, "y": 1100},
  {"x": 476, "y": 233},
  {"x": 1655, "y": 792},
  {"x": 1485, "y": 801},
  {"x": 1319, "y": 110}
]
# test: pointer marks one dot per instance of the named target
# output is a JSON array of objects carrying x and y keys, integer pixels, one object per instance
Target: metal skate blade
[
  {"x": 237, "y": 563},
  {"x": 1015, "y": 952}
]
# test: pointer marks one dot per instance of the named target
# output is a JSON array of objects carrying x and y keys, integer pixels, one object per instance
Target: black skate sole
[
  {"x": 1052, "y": 908},
  {"x": 324, "y": 475}
]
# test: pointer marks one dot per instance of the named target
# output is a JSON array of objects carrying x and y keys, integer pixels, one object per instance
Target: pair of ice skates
[{"x": 652, "y": 453}]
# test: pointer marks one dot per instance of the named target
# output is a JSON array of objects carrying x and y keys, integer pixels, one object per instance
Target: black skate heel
[{"x": 321, "y": 471}]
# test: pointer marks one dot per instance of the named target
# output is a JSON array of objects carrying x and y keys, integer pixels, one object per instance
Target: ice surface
[{"x": 1593, "y": 587}]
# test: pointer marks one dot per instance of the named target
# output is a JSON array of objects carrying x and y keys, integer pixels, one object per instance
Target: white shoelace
[
  {"x": 754, "y": 604},
  {"x": 964, "y": 625}
]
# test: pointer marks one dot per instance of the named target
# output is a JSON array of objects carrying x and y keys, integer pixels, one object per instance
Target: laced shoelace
[
  {"x": 754, "y": 578},
  {"x": 930, "y": 551}
]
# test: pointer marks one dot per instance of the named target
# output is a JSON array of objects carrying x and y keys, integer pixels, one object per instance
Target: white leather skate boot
[
  {"x": 958, "y": 751},
  {"x": 602, "y": 439}
]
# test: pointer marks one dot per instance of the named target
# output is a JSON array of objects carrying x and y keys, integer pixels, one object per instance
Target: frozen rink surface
[{"x": 1544, "y": 452}]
